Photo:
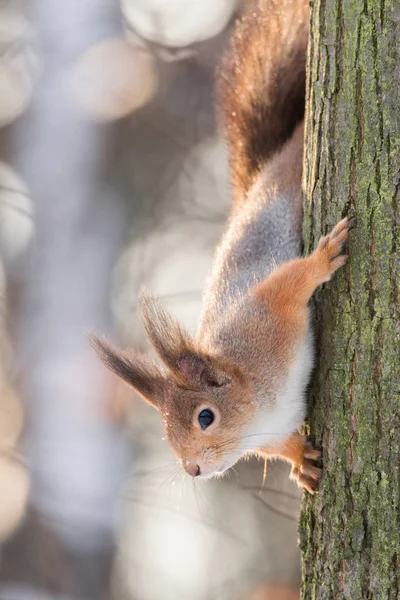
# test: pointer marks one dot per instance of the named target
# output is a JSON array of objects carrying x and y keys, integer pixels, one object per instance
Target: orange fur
[
  {"x": 299, "y": 452},
  {"x": 196, "y": 378},
  {"x": 267, "y": 53},
  {"x": 289, "y": 288},
  {"x": 284, "y": 170},
  {"x": 276, "y": 591},
  {"x": 250, "y": 361}
]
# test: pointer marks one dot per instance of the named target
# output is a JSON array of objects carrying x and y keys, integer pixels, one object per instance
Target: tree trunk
[{"x": 350, "y": 531}]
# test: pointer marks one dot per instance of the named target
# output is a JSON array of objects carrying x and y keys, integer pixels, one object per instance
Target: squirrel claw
[
  {"x": 352, "y": 222},
  {"x": 309, "y": 452},
  {"x": 308, "y": 483},
  {"x": 306, "y": 473},
  {"x": 327, "y": 254}
]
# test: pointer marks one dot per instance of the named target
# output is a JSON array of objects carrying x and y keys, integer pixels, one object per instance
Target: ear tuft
[
  {"x": 135, "y": 369},
  {"x": 167, "y": 337},
  {"x": 176, "y": 348}
]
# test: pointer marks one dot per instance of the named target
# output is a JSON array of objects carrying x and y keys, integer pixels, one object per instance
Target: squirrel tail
[{"x": 261, "y": 85}]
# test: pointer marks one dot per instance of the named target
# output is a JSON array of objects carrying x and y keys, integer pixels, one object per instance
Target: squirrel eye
[{"x": 206, "y": 417}]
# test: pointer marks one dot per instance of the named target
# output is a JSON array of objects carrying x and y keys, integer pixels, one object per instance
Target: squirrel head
[{"x": 205, "y": 403}]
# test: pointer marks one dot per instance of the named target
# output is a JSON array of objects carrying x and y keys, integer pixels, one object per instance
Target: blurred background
[{"x": 113, "y": 175}]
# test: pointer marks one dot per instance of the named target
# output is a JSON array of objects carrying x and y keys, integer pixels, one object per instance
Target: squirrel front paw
[
  {"x": 327, "y": 256},
  {"x": 298, "y": 451},
  {"x": 304, "y": 471}
]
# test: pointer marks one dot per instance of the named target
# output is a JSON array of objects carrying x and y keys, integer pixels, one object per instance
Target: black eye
[{"x": 206, "y": 417}]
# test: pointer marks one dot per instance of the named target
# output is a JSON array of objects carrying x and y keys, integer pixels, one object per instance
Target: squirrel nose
[{"x": 192, "y": 468}]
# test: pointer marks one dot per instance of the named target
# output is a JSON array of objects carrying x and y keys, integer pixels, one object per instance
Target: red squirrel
[{"x": 238, "y": 387}]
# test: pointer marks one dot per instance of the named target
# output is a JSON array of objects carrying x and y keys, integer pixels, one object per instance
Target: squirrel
[{"x": 238, "y": 387}]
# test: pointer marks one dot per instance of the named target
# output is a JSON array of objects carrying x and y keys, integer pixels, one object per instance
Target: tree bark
[{"x": 350, "y": 531}]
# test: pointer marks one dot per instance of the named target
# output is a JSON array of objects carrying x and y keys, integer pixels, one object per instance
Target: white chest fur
[{"x": 274, "y": 423}]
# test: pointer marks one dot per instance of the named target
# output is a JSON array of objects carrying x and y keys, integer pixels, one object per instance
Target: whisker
[
  {"x": 276, "y": 510},
  {"x": 197, "y": 494},
  {"x": 272, "y": 491},
  {"x": 181, "y": 492},
  {"x": 234, "y": 471},
  {"x": 148, "y": 471},
  {"x": 264, "y": 474},
  {"x": 171, "y": 477},
  {"x": 238, "y": 439}
]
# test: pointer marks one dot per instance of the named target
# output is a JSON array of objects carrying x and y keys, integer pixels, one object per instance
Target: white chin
[{"x": 220, "y": 469}]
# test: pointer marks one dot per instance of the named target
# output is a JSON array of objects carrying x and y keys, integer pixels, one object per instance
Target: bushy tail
[{"x": 261, "y": 85}]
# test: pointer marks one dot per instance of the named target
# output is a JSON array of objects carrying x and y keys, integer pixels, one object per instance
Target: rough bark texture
[{"x": 350, "y": 531}]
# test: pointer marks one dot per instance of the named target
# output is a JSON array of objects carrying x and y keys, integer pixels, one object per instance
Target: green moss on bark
[{"x": 350, "y": 532}]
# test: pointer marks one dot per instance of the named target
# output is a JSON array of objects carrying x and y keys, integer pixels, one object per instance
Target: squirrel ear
[
  {"x": 199, "y": 370},
  {"x": 167, "y": 337},
  {"x": 176, "y": 348},
  {"x": 135, "y": 369}
]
